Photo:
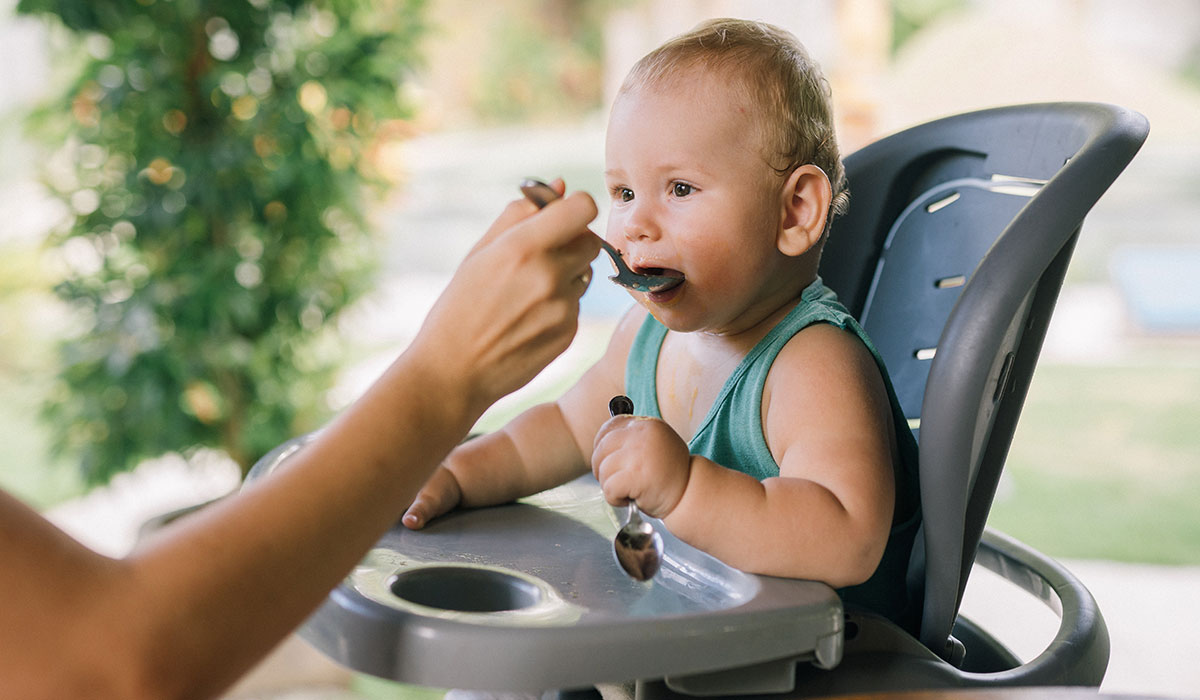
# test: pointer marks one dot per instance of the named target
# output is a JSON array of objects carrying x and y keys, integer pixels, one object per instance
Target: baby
[{"x": 769, "y": 434}]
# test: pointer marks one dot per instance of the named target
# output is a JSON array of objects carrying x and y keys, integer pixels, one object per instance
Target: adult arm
[{"x": 190, "y": 611}]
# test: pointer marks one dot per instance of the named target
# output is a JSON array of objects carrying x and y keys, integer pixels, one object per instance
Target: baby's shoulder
[
  {"x": 824, "y": 381},
  {"x": 818, "y": 355}
]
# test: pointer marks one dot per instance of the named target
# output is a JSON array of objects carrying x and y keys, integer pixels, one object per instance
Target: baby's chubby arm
[
  {"x": 826, "y": 517},
  {"x": 493, "y": 468},
  {"x": 545, "y": 446}
]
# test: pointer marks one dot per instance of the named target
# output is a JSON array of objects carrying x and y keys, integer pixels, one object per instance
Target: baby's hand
[
  {"x": 439, "y": 495},
  {"x": 643, "y": 459}
]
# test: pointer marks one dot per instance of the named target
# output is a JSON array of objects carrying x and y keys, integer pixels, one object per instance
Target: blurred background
[{"x": 222, "y": 220}]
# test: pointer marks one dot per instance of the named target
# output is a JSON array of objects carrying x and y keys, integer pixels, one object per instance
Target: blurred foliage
[
  {"x": 909, "y": 16},
  {"x": 544, "y": 60},
  {"x": 1190, "y": 68},
  {"x": 214, "y": 156}
]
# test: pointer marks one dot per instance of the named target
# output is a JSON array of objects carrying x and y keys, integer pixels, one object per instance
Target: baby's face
[{"x": 692, "y": 193}]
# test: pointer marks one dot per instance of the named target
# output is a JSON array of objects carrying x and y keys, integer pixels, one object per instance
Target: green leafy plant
[{"x": 213, "y": 155}]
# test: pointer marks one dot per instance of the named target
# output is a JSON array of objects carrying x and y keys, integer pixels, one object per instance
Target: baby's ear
[{"x": 805, "y": 207}]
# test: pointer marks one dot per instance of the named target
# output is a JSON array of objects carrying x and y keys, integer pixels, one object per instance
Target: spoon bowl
[{"x": 638, "y": 547}]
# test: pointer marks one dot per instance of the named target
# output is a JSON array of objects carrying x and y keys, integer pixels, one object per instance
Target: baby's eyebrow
[{"x": 659, "y": 170}]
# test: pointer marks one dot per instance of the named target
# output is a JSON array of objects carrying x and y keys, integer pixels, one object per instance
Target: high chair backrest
[{"x": 952, "y": 256}]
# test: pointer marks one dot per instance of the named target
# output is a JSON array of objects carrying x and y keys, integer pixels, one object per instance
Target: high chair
[{"x": 952, "y": 255}]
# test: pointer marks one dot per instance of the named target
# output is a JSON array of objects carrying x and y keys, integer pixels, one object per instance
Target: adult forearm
[
  {"x": 195, "y": 607},
  {"x": 222, "y": 588}
]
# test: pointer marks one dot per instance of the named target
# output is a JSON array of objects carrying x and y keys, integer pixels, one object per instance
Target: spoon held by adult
[{"x": 542, "y": 194}]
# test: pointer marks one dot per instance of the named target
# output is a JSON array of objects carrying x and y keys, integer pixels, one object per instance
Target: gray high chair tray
[{"x": 527, "y": 597}]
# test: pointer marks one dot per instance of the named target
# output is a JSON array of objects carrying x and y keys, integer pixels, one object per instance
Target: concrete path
[{"x": 1152, "y": 613}]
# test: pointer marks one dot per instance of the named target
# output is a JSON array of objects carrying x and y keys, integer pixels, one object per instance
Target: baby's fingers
[
  {"x": 615, "y": 483},
  {"x": 568, "y": 219},
  {"x": 608, "y": 440},
  {"x": 421, "y": 511},
  {"x": 439, "y": 495}
]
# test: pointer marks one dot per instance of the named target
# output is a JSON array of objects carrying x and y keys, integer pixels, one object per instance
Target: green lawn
[
  {"x": 379, "y": 689},
  {"x": 1106, "y": 464}
]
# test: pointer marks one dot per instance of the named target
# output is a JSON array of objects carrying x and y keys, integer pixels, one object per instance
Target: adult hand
[
  {"x": 642, "y": 459},
  {"x": 513, "y": 304}
]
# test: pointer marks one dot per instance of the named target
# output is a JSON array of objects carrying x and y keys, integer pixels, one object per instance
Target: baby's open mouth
[{"x": 674, "y": 277}]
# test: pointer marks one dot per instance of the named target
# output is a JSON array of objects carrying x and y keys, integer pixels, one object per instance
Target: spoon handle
[
  {"x": 538, "y": 192},
  {"x": 621, "y": 405}
]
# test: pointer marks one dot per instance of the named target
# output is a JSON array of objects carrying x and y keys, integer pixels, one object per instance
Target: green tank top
[{"x": 732, "y": 435}]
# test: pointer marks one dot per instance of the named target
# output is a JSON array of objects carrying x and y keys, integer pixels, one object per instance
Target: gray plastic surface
[{"x": 527, "y": 597}]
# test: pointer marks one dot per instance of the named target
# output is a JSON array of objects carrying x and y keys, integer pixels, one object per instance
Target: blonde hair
[{"x": 775, "y": 72}]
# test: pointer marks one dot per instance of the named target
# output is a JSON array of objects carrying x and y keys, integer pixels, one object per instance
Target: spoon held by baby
[{"x": 638, "y": 547}]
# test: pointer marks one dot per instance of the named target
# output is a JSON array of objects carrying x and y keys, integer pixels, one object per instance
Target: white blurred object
[
  {"x": 1087, "y": 326},
  {"x": 108, "y": 518}
]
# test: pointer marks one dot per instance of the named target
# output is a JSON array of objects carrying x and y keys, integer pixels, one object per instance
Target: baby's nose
[{"x": 641, "y": 224}]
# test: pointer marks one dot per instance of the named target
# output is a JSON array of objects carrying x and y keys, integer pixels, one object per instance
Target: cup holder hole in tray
[{"x": 465, "y": 589}]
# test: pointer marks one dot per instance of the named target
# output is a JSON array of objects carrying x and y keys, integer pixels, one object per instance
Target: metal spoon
[
  {"x": 542, "y": 194},
  {"x": 638, "y": 547}
]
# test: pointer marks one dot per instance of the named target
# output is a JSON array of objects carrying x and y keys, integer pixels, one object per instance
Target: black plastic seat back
[
  {"x": 952, "y": 256},
  {"x": 930, "y": 252}
]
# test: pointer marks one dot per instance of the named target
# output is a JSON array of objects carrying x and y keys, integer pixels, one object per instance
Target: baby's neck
[
  {"x": 692, "y": 367},
  {"x": 757, "y": 320}
]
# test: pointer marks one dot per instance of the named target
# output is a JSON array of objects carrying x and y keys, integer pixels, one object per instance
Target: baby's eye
[
  {"x": 623, "y": 194},
  {"x": 681, "y": 189}
]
